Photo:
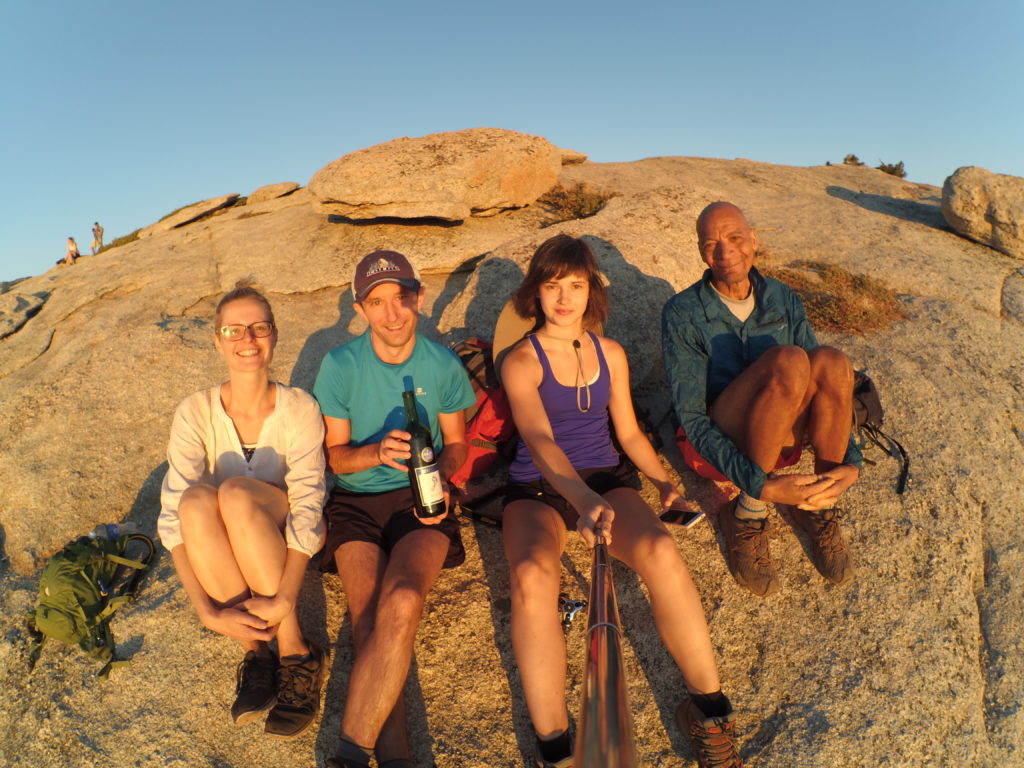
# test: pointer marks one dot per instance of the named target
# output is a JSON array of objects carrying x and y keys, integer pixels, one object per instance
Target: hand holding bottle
[{"x": 393, "y": 447}]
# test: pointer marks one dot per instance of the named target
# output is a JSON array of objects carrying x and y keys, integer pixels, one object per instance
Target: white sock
[{"x": 749, "y": 508}]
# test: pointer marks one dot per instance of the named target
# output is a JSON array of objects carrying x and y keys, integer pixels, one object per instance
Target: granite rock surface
[{"x": 918, "y": 662}]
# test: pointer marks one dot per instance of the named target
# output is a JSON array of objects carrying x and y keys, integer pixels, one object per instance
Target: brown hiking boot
[
  {"x": 746, "y": 549},
  {"x": 829, "y": 551},
  {"x": 298, "y": 695},
  {"x": 711, "y": 737}
]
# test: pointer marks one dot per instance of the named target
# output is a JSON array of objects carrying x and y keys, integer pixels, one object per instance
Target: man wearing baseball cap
[{"x": 387, "y": 557}]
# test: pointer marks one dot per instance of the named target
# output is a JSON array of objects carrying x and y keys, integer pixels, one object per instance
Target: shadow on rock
[
  {"x": 422, "y": 221},
  {"x": 146, "y": 507},
  {"x": 635, "y": 300},
  {"x": 319, "y": 343},
  {"x": 929, "y": 214},
  {"x": 454, "y": 285}
]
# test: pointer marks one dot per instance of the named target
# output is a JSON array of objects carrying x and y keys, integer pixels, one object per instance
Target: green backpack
[{"x": 79, "y": 593}]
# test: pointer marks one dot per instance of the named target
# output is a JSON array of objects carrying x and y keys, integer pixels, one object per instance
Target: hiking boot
[
  {"x": 829, "y": 551},
  {"x": 711, "y": 737},
  {"x": 255, "y": 687},
  {"x": 746, "y": 548},
  {"x": 298, "y": 695}
]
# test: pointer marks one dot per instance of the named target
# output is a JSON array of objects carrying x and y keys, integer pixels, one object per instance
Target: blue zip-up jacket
[{"x": 705, "y": 347}]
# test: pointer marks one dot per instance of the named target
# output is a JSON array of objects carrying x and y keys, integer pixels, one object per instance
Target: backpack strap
[
  {"x": 893, "y": 448},
  {"x": 131, "y": 588},
  {"x": 36, "y": 640},
  {"x": 125, "y": 593}
]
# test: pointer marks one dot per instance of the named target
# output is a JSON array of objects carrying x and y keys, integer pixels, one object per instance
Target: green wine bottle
[{"x": 424, "y": 474}]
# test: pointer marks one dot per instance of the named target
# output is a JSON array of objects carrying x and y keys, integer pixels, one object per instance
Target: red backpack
[{"x": 489, "y": 422}]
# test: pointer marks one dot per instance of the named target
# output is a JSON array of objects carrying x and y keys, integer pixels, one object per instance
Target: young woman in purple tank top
[{"x": 563, "y": 382}]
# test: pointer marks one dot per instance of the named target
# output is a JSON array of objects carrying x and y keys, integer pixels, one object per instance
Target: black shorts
[
  {"x": 381, "y": 519},
  {"x": 598, "y": 479}
]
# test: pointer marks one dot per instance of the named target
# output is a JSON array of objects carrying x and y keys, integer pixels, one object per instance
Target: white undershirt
[{"x": 741, "y": 308}]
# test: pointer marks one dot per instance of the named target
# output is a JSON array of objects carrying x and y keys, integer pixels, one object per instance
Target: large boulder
[
  {"x": 189, "y": 214},
  {"x": 271, "y": 191},
  {"x": 986, "y": 207},
  {"x": 448, "y": 176}
]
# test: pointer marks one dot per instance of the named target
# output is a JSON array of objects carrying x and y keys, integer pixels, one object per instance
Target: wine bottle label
[
  {"x": 427, "y": 454},
  {"x": 428, "y": 479}
]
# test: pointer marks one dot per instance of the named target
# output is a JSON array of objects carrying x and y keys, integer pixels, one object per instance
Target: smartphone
[{"x": 682, "y": 515}]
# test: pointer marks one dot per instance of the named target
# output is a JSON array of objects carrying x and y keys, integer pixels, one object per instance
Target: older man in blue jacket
[{"x": 750, "y": 384}]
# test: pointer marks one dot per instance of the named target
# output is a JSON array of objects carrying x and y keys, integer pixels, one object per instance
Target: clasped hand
[
  {"x": 811, "y": 492},
  {"x": 238, "y": 623}
]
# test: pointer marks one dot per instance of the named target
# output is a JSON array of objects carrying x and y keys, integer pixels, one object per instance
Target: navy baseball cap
[{"x": 383, "y": 267}]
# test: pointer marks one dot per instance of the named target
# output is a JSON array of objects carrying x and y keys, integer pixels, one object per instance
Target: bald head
[
  {"x": 719, "y": 206},
  {"x": 727, "y": 245}
]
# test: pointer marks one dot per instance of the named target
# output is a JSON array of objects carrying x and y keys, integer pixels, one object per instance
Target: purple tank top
[{"x": 583, "y": 436}]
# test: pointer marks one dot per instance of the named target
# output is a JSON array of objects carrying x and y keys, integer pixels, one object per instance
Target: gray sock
[{"x": 749, "y": 508}]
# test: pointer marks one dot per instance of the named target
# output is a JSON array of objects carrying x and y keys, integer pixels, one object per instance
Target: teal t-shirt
[{"x": 356, "y": 385}]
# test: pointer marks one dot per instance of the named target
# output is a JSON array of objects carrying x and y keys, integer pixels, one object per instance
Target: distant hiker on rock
[
  {"x": 97, "y": 237},
  {"x": 565, "y": 383},
  {"x": 751, "y": 385},
  {"x": 386, "y": 554},
  {"x": 242, "y": 513},
  {"x": 72, "y": 252}
]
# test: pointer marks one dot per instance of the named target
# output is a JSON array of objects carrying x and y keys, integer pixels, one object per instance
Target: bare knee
[
  {"x": 832, "y": 371},
  {"x": 236, "y": 499},
  {"x": 789, "y": 371},
  {"x": 534, "y": 580},
  {"x": 198, "y": 505},
  {"x": 399, "y": 607},
  {"x": 656, "y": 554}
]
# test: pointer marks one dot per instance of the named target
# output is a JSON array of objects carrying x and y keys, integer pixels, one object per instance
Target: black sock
[
  {"x": 711, "y": 704},
  {"x": 353, "y": 754},
  {"x": 555, "y": 749}
]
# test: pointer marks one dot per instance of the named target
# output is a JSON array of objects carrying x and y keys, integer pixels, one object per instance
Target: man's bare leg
[
  {"x": 830, "y": 413},
  {"x": 361, "y": 568},
  {"x": 761, "y": 407},
  {"x": 381, "y": 667},
  {"x": 786, "y": 396}
]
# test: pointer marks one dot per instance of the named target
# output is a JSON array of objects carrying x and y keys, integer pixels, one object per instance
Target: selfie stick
[{"x": 605, "y": 737}]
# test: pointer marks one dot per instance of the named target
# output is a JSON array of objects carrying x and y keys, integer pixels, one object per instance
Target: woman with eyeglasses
[
  {"x": 563, "y": 382},
  {"x": 241, "y": 513}
]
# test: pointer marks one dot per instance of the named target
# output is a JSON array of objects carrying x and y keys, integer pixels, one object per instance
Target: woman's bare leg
[
  {"x": 209, "y": 552},
  {"x": 642, "y": 542},
  {"x": 254, "y": 514},
  {"x": 534, "y": 536}
]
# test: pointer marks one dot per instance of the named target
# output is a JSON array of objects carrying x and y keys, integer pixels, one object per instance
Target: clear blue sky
[{"x": 123, "y": 111}]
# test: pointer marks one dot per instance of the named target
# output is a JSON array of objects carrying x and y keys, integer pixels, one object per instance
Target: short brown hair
[
  {"x": 555, "y": 258},
  {"x": 244, "y": 289}
]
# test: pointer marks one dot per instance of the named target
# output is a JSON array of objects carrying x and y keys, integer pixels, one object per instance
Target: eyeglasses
[{"x": 236, "y": 331}]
